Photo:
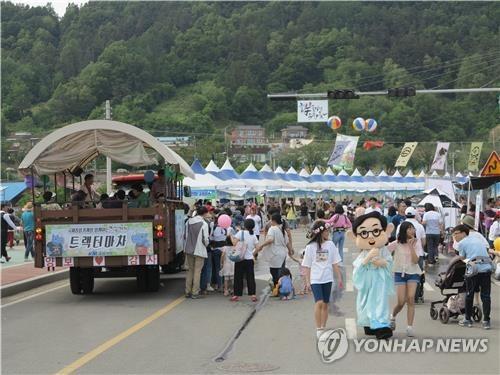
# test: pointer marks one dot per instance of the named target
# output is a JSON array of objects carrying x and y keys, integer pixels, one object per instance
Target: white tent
[{"x": 76, "y": 145}]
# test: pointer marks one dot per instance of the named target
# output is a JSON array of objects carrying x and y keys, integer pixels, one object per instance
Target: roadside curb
[{"x": 25, "y": 285}]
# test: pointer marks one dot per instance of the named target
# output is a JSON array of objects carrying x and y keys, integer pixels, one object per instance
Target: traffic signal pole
[{"x": 357, "y": 94}]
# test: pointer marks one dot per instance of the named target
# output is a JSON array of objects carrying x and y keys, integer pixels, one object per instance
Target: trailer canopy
[{"x": 78, "y": 144}]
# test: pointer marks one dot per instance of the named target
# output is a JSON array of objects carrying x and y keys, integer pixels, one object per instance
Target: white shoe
[
  {"x": 319, "y": 332},
  {"x": 409, "y": 332},
  {"x": 210, "y": 289}
]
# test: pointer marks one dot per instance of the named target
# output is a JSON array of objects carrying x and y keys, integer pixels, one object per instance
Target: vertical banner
[
  {"x": 312, "y": 110},
  {"x": 479, "y": 208},
  {"x": 406, "y": 153},
  {"x": 439, "y": 162},
  {"x": 474, "y": 156},
  {"x": 343, "y": 153}
]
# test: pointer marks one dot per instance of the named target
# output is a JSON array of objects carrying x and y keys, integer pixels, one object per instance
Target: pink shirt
[{"x": 339, "y": 221}]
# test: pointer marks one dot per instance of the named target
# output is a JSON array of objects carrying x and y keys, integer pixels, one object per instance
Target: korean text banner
[
  {"x": 344, "y": 151},
  {"x": 312, "y": 110},
  {"x": 474, "y": 156},
  {"x": 111, "y": 239},
  {"x": 440, "y": 156},
  {"x": 406, "y": 153}
]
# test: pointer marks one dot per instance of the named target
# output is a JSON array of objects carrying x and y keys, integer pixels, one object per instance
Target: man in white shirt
[
  {"x": 494, "y": 229},
  {"x": 373, "y": 206}
]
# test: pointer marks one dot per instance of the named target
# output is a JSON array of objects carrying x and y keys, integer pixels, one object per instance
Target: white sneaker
[
  {"x": 210, "y": 289},
  {"x": 392, "y": 323},
  {"x": 409, "y": 332},
  {"x": 319, "y": 332}
]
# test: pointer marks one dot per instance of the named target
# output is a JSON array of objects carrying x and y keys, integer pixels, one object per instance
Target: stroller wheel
[
  {"x": 477, "y": 314},
  {"x": 434, "y": 313},
  {"x": 444, "y": 315}
]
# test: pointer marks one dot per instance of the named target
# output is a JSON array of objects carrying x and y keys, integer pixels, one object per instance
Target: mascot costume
[{"x": 372, "y": 274}]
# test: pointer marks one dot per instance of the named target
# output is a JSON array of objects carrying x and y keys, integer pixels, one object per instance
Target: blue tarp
[{"x": 9, "y": 191}]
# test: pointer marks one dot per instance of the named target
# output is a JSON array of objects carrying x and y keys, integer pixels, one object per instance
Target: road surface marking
[
  {"x": 351, "y": 329},
  {"x": 122, "y": 336},
  {"x": 428, "y": 287},
  {"x": 35, "y": 295}
]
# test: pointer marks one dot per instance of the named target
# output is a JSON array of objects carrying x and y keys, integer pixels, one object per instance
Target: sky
[{"x": 58, "y": 5}]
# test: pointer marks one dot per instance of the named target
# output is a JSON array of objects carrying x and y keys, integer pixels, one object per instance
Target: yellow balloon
[{"x": 496, "y": 244}]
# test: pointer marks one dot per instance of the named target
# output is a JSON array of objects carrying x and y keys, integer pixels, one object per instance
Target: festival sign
[
  {"x": 180, "y": 224},
  {"x": 343, "y": 154},
  {"x": 406, "y": 153},
  {"x": 440, "y": 156},
  {"x": 312, "y": 110},
  {"x": 98, "y": 240},
  {"x": 474, "y": 156},
  {"x": 492, "y": 166}
]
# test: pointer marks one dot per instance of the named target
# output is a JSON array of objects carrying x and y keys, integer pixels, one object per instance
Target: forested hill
[{"x": 196, "y": 67}]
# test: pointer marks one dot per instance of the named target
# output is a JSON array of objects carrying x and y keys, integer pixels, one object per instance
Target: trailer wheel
[
  {"x": 142, "y": 279},
  {"x": 74, "y": 280},
  {"x": 153, "y": 277},
  {"x": 87, "y": 280}
]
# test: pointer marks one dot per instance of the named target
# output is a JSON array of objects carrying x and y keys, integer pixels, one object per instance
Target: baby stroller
[{"x": 453, "y": 305}]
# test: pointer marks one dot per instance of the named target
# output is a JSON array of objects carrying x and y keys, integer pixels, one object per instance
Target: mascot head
[{"x": 371, "y": 230}]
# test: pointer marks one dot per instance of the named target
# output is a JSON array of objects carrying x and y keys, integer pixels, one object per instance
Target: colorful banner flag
[
  {"x": 406, "y": 153},
  {"x": 312, "y": 110},
  {"x": 368, "y": 145},
  {"x": 342, "y": 156},
  {"x": 439, "y": 162},
  {"x": 474, "y": 156}
]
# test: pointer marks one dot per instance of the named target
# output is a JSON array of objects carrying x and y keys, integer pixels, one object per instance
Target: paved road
[{"x": 119, "y": 330}]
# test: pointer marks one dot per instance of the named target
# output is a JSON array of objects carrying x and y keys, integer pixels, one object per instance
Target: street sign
[{"x": 492, "y": 166}]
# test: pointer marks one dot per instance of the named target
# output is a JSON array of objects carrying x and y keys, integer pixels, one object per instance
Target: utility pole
[{"x": 108, "y": 159}]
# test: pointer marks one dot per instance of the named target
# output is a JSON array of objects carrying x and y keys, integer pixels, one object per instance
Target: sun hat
[{"x": 469, "y": 221}]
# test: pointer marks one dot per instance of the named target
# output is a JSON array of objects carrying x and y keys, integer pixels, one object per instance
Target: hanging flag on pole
[
  {"x": 343, "y": 153},
  {"x": 439, "y": 162},
  {"x": 474, "y": 156},
  {"x": 406, "y": 153},
  {"x": 312, "y": 110}
]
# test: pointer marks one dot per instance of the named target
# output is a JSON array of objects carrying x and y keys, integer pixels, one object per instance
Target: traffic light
[
  {"x": 402, "y": 91},
  {"x": 342, "y": 94}
]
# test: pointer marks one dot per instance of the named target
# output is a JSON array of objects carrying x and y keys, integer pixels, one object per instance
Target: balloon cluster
[{"x": 360, "y": 124}]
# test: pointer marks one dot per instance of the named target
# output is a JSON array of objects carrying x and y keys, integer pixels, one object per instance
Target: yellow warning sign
[{"x": 492, "y": 166}]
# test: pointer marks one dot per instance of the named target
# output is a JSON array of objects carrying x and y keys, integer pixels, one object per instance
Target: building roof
[
  {"x": 294, "y": 128},
  {"x": 9, "y": 191},
  {"x": 248, "y": 127}
]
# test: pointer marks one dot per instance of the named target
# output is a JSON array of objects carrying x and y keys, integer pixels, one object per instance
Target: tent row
[{"x": 226, "y": 180}]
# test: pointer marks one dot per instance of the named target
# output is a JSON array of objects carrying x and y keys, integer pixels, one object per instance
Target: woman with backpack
[
  {"x": 339, "y": 223},
  {"x": 276, "y": 247},
  {"x": 244, "y": 267}
]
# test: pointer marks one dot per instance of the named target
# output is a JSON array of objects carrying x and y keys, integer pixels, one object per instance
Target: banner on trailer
[
  {"x": 474, "y": 156},
  {"x": 406, "y": 153},
  {"x": 439, "y": 162},
  {"x": 97, "y": 240},
  {"x": 180, "y": 225},
  {"x": 343, "y": 153},
  {"x": 312, "y": 110}
]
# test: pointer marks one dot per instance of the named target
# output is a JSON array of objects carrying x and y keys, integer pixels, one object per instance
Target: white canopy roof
[
  {"x": 356, "y": 173},
  {"x": 397, "y": 174},
  {"x": 316, "y": 172},
  {"x": 303, "y": 173},
  {"x": 369, "y": 174},
  {"x": 212, "y": 167},
  {"x": 434, "y": 174},
  {"x": 328, "y": 172},
  {"x": 459, "y": 175},
  {"x": 266, "y": 168},
  {"x": 76, "y": 145},
  {"x": 279, "y": 170},
  {"x": 343, "y": 173},
  {"x": 382, "y": 174},
  {"x": 421, "y": 174},
  {"x": 409, "y": 174}
]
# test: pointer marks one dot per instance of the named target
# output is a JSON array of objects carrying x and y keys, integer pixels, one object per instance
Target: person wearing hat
[
  {"x": 469, "y": 221},
  {"x": 494, "y": 229},
  {"x": 141, "y": 198},
  {"x": 472, "y": 249},
  {"x": 28, "y": 221},
  {"x": 48, "y": 204}
]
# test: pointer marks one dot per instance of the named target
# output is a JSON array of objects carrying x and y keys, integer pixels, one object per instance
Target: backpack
[{"x": 238, "y": 253}]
